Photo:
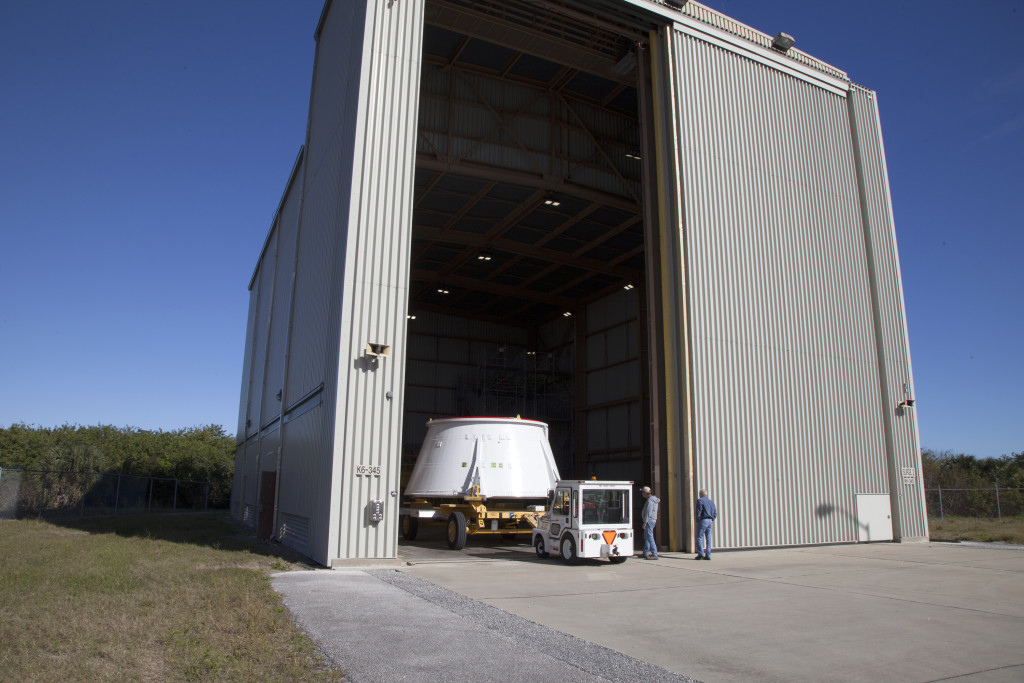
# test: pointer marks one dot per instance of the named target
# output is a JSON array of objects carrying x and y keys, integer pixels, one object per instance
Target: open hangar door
[{"x": 528, "y": 270}]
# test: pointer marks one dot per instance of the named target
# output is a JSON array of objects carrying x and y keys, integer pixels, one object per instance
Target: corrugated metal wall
[
  {"x": 308, "y": 450},
  {"x": 375, "y": 289},
  {"x": 730, "y": 25},
  {"x": 449, "y": 361},
  {"x": 910, "y": 519},
  {"x": 541, "y": 132},
  {"x": 237, "y": 484},
  {"x": 788, "y": 418},
  {"x": 614, "y": 408}
]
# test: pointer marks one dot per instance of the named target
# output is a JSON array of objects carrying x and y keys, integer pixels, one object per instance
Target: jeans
[
  {"x": 704, "y": 537},
  {"x": 650, "y": 548}
]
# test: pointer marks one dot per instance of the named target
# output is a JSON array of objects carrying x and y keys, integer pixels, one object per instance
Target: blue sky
[{"x": 145, "y": 146}]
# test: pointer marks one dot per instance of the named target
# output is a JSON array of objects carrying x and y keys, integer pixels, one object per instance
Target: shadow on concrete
[
  {"x": 212, "y": 529},
  {"x": 431, "y": 547}
]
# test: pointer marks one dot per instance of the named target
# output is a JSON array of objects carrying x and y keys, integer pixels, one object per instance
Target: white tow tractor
[{"x": 587, "y": 519}]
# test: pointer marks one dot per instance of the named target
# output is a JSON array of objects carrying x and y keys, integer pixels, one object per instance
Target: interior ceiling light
[
  {"x": 634, "y": 154},
  {"x": 483, "y": 256},
  {"x": 628, "y": 287},
  {"x": 568, "y": 314},
  {"x": 625, "y": 65},
  {"x": 443, "y": 290},
  {"x": 411, "y": 316},
  {"x": 782, "y": 42},
  {"x": 551, "y": 201}
]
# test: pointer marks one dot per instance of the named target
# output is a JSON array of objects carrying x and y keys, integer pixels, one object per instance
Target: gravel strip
[{"x": 532, "y": 639}]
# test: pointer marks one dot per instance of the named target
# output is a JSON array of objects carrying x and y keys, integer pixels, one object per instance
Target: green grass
[
  {"x": 983, "y": 529},
  {"x": 156, "y": 598}
]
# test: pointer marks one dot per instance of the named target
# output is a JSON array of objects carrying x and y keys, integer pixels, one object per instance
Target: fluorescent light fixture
[
  {"x": 551, "y": 201},
  {"x": 483, "y": 256},
  {"x": 634, "y": 154},
  {"x": 410, "y": 317},
  {"x": 568, "y": 314},
  {"x": 625, "y": 65},
  {"x": 442, "y": 290},
  {"x": 628, "y": 287},
  {"x": 782, "y": 42}
]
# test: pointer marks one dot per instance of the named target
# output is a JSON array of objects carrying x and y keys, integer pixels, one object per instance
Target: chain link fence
[
  {"x": 39, "y": 493},
  {"x": 995, "y": 502}
]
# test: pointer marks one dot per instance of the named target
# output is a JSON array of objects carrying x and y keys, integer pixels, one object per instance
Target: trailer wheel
[
  {"x": 538, "y": 544},
  {"x": 568, "y": 548},
  {"x": 456, "y": 530},
  {"x": 617, "y": 559},
  {"x": 410, "y": 527}
]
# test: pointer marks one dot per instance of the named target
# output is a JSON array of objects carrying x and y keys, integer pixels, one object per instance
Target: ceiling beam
[
  {"x": 543, "y": 44},
  {"x": 431, "y": 277},
  {"x": 527, "y": 250},
  {"x": 549, "y": 183}
]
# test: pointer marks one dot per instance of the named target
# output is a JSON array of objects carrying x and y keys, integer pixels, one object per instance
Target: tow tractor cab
[{"x": 587, "y": 519}]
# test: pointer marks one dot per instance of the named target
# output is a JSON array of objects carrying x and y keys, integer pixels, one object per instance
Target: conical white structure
[{"x": 504, "y": 457}]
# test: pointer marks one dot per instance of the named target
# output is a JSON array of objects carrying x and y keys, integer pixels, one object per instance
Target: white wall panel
[
  {"x": 309, "y": 306},
  {"x": 242, "y": 432},
  {"x": 283, "y": 254},
  {"x": 375, "y": 287},
  {"x": 787, "y": 419},
  {"x": 908, "y": 507}
]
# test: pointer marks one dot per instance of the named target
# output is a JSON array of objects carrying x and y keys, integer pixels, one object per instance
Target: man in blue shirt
[
  {"x": 649, "y": 516},
  {"x": 706, "y": 514}
]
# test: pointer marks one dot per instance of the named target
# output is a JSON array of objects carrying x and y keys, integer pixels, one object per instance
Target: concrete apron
[{"x": 888, "y": 612}]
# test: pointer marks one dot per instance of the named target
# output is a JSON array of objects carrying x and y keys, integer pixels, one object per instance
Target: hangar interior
[{"x": 527, "y": 284}]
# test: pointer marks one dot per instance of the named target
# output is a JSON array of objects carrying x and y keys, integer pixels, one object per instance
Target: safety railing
[{"x": 996, "y": 501}]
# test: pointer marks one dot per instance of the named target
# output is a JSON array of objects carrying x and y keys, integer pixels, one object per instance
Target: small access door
[{"x": 874, "y": 517}]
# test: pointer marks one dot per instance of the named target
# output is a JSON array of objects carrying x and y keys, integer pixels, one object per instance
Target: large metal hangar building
[{"x": 660, "y": 231}]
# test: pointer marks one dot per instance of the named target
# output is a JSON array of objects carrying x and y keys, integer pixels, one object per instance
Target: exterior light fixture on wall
[
  {"x": 906, "y": 403},
  {"x": 380, "y": 350},
  {"x": 782, "y": 42},
  {"x": 551, "y": 201}
]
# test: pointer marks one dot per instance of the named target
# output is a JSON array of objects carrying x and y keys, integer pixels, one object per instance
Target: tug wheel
[
  {"x": 568, "y": 548},
  {"x": 456, "y": 530},
  {"x": 538, "y": 545}
]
